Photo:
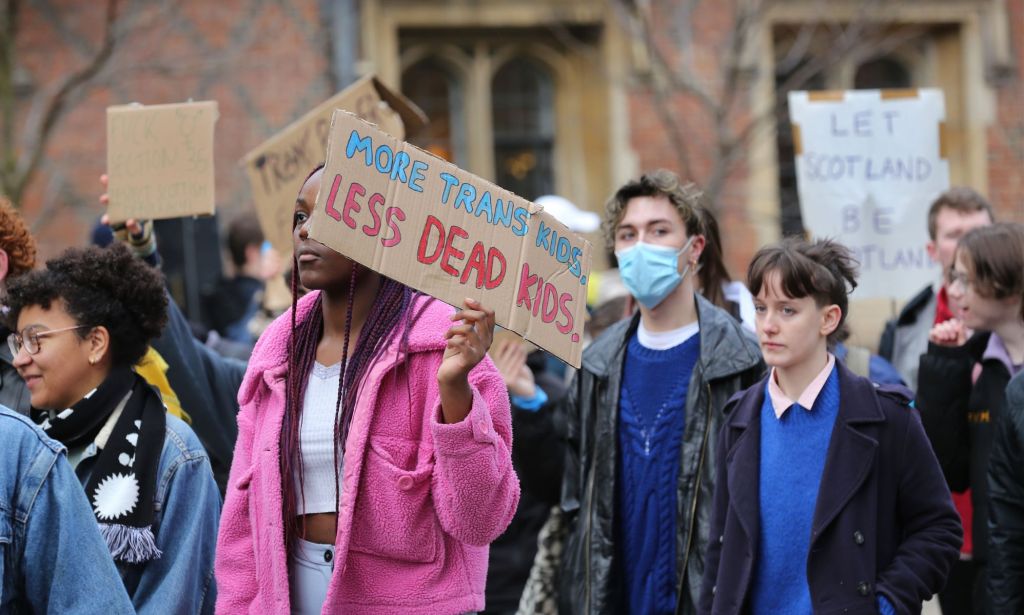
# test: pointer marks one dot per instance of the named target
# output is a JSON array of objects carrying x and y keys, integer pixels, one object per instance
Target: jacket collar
[
  {"x": 850, "y": 457},
  {"x": 269, "y": 360},
  {"x": 5, "y": 350},
  {"x": 725, "y": 347},
  {"x": 910, "y": 311}
]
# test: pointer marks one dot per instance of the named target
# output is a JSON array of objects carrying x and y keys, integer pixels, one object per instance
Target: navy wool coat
[{"x": 883, "y": 523}]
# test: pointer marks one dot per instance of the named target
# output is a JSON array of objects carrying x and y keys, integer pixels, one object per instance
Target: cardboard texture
[
  {"x": 279, "y": 165},
  {"x": 160, "y": 160},
  {"x": 428, "y": 224},
  {"x": 869, "y": 163}
]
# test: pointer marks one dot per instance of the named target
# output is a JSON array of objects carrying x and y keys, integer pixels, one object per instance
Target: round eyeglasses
[{"x": 29, "y": 338}]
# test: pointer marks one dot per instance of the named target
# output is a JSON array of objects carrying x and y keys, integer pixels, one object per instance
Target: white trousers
[{"x": 310, "y": 566}]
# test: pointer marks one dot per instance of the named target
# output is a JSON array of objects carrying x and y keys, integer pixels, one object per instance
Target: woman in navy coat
[{"x": 830, "y": 499}]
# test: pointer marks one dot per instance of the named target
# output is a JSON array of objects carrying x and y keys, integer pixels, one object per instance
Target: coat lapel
[
  {"x": 852, "y": 450},
  {"x": 744, "y": 462}
]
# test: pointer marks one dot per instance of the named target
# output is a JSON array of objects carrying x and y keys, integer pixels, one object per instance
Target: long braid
[
  {"x": 343, "y": 383},
  {"x": 390, "y": 313},
  {"x": 391, "y": 307},
  {"x": 301, "y": 354}
]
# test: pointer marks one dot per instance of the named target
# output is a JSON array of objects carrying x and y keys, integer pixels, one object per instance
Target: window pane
[
  {"x": 882, "y": 74},
  {"x": 789, "y": 199},
  {"x": 524, "y": 128},
  {"x": 438, "y": 92}
]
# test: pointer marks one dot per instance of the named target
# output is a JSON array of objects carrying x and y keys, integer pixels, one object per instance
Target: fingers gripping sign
[
  {"x": 137, "y": 234},
  {"x": 467, "y": 343}
]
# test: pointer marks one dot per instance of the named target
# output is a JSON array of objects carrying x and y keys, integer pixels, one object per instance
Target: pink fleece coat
[{"x": 421, "y": 500}]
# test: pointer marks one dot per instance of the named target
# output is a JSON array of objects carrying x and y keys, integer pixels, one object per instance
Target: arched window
[
  {"x": 438, "y": 92},
  {"x": 523, "y": 107},
  {"x": 882, "y": 74}
]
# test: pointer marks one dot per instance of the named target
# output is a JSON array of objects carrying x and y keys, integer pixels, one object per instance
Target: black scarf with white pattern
[{"x": 122, "y": 484}]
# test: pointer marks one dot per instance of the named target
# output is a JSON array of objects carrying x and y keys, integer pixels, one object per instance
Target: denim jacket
[
  {"x": 53, "y": 557},
  {"x": 185, "y": 521}
]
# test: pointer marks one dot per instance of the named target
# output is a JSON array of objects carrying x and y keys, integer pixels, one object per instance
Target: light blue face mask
[{"x": 651, "y": 272}]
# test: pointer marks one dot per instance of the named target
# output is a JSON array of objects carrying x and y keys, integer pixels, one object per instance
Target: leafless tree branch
[
  {"x": 14, "y": 183},
  {"x": 863, "y": 37}
]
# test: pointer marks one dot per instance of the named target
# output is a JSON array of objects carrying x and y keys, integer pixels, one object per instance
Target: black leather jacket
[
  {"x": 1006, "y": 506},
  {"x": 729, "y": 362},
  {"x": 13, "y": 392}
]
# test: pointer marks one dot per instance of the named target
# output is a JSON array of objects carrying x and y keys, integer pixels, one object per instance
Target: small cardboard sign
[
  {"x": 160, "y": 160},
  {"x": 432, "y": 226},
  {"x": 869, "y": 163},
  {"x": 278, "y": 166}
]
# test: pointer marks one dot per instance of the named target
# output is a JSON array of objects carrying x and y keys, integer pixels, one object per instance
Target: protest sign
[
  {"x": 869, "y": 164},
  {"x": 160, "y": 160},
  {"x": 432, "y": 226},
  {"x": 277, "y": 167}
]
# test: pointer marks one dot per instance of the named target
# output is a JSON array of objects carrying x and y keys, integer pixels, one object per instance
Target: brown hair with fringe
[
  {"x": 994, "y": 256},
  {"x": 823, "y": 270}
]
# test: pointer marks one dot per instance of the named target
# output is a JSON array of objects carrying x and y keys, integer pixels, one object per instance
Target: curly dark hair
[
  {"x": 106, "y": 287},
  {"x": 16, "y": 240}
]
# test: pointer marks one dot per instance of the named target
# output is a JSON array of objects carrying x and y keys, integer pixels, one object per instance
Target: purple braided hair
[{"x": 390, "y": 308}]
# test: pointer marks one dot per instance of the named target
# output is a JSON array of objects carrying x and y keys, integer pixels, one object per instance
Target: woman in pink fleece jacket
[{"x": 373, "y": 464}]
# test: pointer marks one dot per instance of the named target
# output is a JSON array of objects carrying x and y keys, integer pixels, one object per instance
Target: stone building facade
[{"x": 565, "y": 96}]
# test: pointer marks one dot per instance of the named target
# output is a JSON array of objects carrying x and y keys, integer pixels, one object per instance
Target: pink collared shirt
[{"x": 781, "y": 403}]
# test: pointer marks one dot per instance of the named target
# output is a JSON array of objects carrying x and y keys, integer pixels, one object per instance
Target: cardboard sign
[
  {"x": 279, "y": 165},
  {"x": 869, "y": 164},
  {"x": 160, "y": 160},
  {"x": 428, "y": 224}
]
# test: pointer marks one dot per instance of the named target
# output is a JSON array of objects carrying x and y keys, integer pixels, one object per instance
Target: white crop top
[{"x": 316, "y": 494}]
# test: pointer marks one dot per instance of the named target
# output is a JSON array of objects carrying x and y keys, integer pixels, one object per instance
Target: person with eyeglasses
[
  {"x": 963, "y": 376},
  {"x": 80, "y": 325}
]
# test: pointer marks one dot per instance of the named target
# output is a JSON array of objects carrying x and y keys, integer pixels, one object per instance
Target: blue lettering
[
  {"x": 356, "y": 144},
  {"x": 416, "y": 176},
  {"x": 466, "y": 195},
  {"x": 574, "y": 266},
  {"x": 384, "y": 168},
  {"x": 503, "y": 212},
  {"x": 484, "y": 204},
  {"x": 544, "y": 236},
  {"x": 564, "y": 248},
  {"x": 521, "y": 215},
  {"x": 401, "y": 166},
  {"x": 449, "y": 181}
]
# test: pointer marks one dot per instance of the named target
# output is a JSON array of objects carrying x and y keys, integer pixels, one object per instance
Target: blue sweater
[
  {"x": 652, "y": 417},
  {"x": 793, "y": 451}
]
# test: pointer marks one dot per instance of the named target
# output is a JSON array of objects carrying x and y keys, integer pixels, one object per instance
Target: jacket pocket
[{"x": 394, "y": 515}]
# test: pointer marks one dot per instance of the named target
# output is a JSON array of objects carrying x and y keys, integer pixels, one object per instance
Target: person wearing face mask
[{"x": 642, "y": 414}]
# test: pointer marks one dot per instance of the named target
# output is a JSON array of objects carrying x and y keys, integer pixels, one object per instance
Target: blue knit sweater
[
  {"x": 652, "y": 417},
  {"x": 793, "y": 451}
]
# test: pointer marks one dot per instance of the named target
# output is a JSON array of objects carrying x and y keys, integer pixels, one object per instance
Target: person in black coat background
[
  {"x": 963, "y": 377},
  {"x": 1006, "y": 505},
  {"x": 834, "y": 502}
]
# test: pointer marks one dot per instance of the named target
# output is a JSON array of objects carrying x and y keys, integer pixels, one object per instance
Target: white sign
[{"x": 869, "y": 164}]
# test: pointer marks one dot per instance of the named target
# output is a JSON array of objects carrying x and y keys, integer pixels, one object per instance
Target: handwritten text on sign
[
  {"x": 160, "y": 160},
  {"x": 869, "y": 164},
  {"x": 278, "y": 166},
  {"x": 428, "y": 224}
]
